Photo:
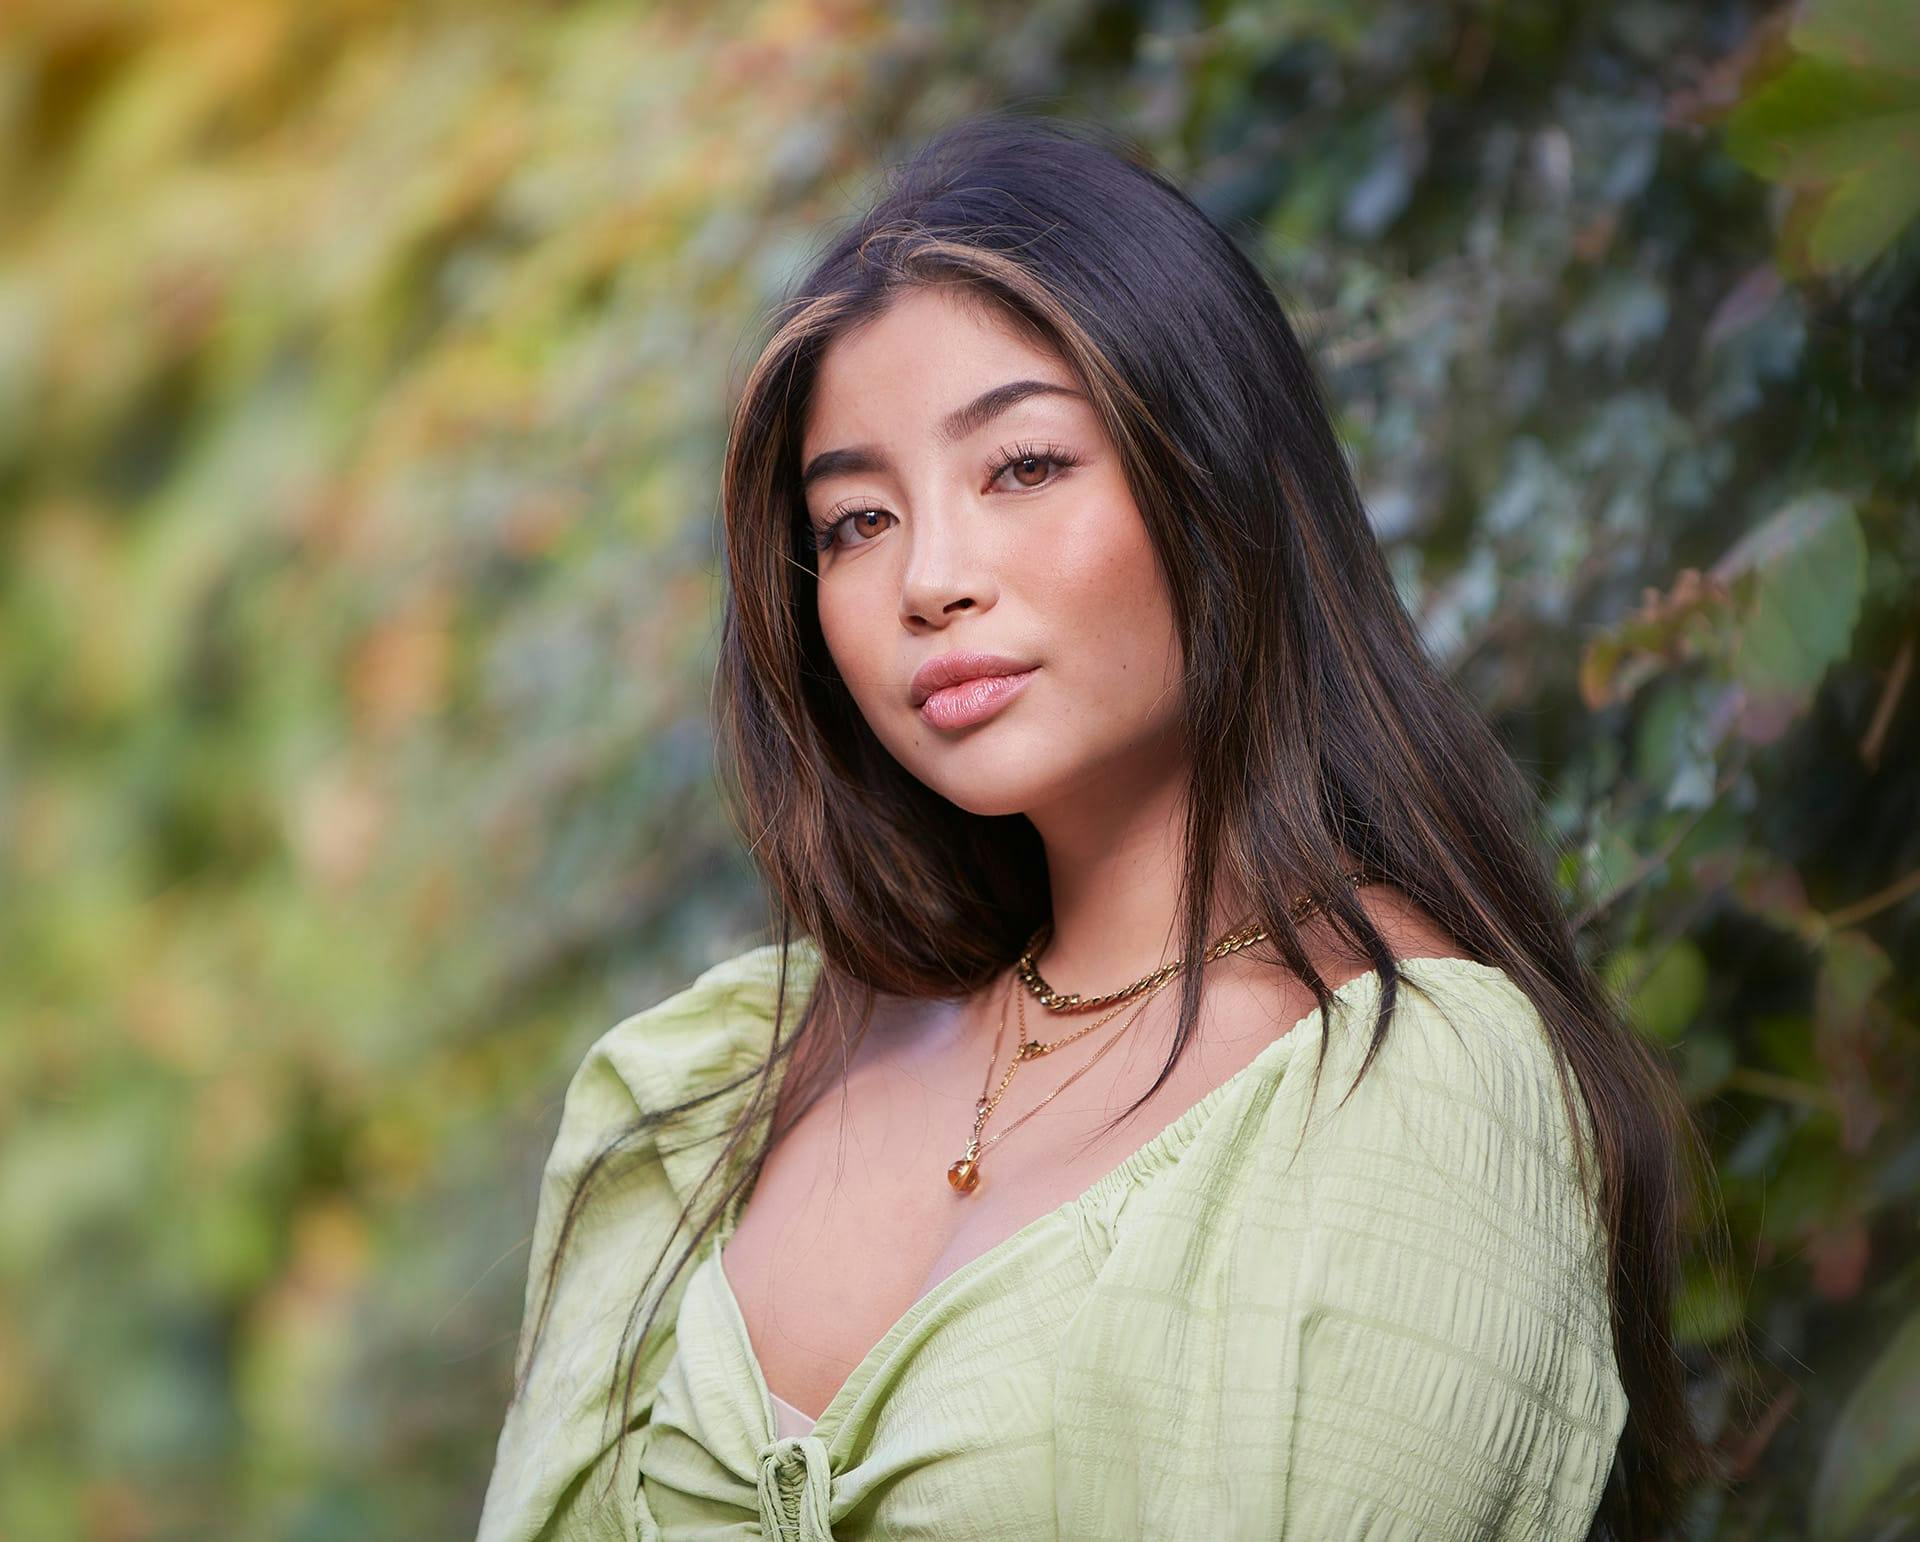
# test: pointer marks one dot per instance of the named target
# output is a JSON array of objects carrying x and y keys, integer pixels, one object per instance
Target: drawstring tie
[{"x": 795, "y": 1485}]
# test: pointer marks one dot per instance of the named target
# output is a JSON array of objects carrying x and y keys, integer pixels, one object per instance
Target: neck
[{"x": 1114, "y": 864}]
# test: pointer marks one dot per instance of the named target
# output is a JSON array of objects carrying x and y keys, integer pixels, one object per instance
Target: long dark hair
[{"x": 1317, "y": 728}]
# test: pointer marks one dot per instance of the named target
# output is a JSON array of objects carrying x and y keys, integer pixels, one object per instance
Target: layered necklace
[{"x": 1026, "y": 981}]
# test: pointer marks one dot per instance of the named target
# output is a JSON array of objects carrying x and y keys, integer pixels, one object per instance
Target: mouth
[
  {"x": 959, "y": 667},
  {"x": 967, "y": 702}
]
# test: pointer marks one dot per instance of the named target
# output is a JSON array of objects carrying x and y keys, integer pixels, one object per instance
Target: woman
[{"x": 1069, "y": 707}]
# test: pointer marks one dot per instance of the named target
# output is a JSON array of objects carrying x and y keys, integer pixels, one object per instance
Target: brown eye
[
  {"x": 1030, "y": 467},
  {"x": 852, "y": 518}
]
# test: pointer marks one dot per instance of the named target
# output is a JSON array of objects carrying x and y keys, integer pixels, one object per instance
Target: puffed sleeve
[
  {"x": 1453, "y": 1371},
  {"x": 556, "y": 1445}
]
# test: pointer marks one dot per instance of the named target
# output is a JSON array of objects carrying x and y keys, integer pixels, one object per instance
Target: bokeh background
[{"x": 363, "y": 380}]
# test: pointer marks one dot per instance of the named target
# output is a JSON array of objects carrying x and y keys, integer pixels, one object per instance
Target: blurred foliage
[{"x": 364, "y": 372}]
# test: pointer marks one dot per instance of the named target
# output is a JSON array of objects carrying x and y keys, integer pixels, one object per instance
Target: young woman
[{"x": 1108, "y": 807}]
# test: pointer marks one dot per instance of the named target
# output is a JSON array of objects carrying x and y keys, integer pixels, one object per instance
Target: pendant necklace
[{"x": 964, "y": 1173}]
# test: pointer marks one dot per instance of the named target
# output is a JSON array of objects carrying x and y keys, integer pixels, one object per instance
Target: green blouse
[{"x": 1388, "y": 1321}]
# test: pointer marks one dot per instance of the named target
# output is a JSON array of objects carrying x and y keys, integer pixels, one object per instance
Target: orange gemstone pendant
[{"x": 964, "y": 1175}]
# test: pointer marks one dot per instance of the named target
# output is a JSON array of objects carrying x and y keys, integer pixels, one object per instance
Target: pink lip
[
  {"x": 958, "y": 667},
  {"x": 972, "y": 701}
]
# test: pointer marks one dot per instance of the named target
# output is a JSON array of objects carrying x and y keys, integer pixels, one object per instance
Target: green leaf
[
  {"x": 1706, "y": 1063},
  {"x": 1816, "y": 122},
  {"x": 1870, "y": 207},
  {"x": 1844, "y": 124},
  {"x": 1807, "y": 566},
  {"x": 1610, "y": 858},
  {"x": 1874, "y": 1449},
  {"x": 1706, "y": 1308},
  {"x": 1809, "y": 1185},
  {"x": 1669, "y": 998},
  {"x": 1660, "y": 740},
  {"x": 1853, "y": 968},
  {"x": 1867, "y": 34},
  {"x": 1785, "y": 1042}
]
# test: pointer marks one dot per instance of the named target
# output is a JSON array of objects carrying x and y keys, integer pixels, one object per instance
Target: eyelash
[{"x": 1061, "y": 461}]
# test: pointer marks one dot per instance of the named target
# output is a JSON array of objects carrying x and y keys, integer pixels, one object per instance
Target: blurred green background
[{"x": 363, "y": 380}]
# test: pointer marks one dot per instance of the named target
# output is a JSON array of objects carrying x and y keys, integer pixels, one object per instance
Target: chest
[{"x": 852, "y": 1219}]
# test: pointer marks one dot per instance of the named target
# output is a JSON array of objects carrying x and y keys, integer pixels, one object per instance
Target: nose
[{"x": 946, "y": 567}]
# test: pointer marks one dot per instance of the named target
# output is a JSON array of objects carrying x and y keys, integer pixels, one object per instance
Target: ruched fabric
[
  {"x": 795, "y": 1482},
  {"x": 1285, "y": 1315}
]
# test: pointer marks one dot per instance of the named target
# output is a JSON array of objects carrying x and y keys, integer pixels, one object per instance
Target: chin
[
  {"x": 1015, "y": 803},
  {"x": 993, "y": 784}
]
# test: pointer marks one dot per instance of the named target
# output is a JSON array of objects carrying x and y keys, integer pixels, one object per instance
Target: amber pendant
[{"x": 964, "y": 1175}]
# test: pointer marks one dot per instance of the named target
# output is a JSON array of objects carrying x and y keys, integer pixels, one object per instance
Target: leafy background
[{"x": 363, "y": 372}]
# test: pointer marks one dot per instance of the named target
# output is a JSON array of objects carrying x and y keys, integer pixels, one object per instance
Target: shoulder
[
  {"x": 724, "y": 1013},
  {"x": 697, "y": 1039},
  {"x": 1448, "y": 1256},
  {"x": 640, "y": 1111},
  {"x": 609, "y": 1205},
  {"x": 1442, "y": 1192},
  {"x": 1380, "y": 1304},
  {"x": 1465, "y": 1029},
  {"x": 1467, "y": 1058}
]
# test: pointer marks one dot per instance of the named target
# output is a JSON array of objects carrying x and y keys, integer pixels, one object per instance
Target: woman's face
[{"x": 1008, "y": 529}]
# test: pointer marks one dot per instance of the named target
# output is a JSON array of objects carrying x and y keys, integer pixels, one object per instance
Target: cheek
[
  {"x": 849, "y": 625},
  {"x": 838, "y": 629},
  {"x": 1104, "y": 602}
]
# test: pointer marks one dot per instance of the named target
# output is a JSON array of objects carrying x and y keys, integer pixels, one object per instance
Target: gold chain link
[{"x": 964, "y": 1174}]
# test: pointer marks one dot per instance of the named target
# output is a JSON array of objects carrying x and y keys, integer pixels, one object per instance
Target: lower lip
[{"x": 973, "y": 701}]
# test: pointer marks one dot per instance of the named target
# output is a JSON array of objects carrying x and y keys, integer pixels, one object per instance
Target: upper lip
[{"x": 946, "y": 669}]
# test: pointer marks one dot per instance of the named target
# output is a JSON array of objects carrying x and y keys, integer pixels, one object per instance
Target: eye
[
  {"x": 1022, "y": 459},
  {"x": 828, "y": 535},
  {"x": 1021, "y": 456}
]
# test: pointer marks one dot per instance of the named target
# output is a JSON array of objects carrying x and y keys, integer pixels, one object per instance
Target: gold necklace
[
  {"x": 964, "y": 1173},
  {"x": 1054, "y": 1001}
]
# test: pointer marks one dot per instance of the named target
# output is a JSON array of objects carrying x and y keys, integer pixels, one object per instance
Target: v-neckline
[{"x": 1175, "y": 1134}]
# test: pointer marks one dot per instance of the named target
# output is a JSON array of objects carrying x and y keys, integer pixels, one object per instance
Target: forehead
[{"x": 903, "y": 371}]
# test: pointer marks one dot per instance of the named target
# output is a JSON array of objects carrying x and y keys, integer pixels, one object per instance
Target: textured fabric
[{"x": 1386, "y": 1320}]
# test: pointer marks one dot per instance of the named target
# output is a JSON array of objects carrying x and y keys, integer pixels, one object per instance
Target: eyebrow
[{"x": 955, "y": 426}]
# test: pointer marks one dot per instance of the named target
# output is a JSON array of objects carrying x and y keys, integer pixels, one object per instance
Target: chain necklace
[{"x": 964, "y": 1174}]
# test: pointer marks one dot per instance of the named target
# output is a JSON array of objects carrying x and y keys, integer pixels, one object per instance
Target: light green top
[{"x": 1389, "y": 1321}]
